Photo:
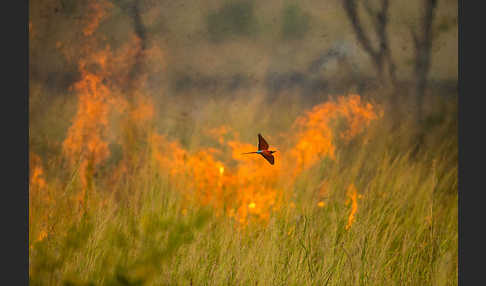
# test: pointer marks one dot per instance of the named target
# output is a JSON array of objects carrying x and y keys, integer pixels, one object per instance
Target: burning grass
[
  {"x": 244, "y": 187},
  {"x": 206, "y": 206}
]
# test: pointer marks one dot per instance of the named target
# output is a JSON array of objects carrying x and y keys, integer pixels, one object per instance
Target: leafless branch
[{"x": 380, "y": 55}]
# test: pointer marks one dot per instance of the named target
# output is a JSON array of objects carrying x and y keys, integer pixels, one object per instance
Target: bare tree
[{"x": 380, "y": 55}]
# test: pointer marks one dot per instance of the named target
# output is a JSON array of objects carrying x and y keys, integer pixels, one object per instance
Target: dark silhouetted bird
[{"x": 263, "y": 150}]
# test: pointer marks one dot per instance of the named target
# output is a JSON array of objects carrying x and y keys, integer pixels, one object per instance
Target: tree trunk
[{"x": 423, "y": 47}]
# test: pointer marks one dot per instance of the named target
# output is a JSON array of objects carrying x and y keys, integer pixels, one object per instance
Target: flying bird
[{"x": 263, "y": 150}]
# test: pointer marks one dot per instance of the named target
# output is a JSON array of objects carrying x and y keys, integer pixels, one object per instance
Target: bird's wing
[
  {"x": 262, "y": 144},
  {"x": 269, "y": 157}
]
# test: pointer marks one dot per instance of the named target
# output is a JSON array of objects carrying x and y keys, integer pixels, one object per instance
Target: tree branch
[{"x": 350, "y": 6}]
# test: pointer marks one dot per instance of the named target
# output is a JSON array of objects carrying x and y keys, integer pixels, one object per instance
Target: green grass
[{"x": 405, "y": 230}]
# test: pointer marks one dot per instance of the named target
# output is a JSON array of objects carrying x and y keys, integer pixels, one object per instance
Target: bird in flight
[{"x": 263, "y": 150}]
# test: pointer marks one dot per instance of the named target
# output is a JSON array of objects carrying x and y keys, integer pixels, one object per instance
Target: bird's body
[{"x": 263, "y": 150}]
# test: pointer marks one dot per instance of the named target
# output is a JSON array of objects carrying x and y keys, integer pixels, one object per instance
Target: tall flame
[
  {"x": 316, "y": 136},
  {"x": 85, "y": 143},
  {"x": 102, "y": 71},
  {"x": 353, "y": 200},
  {"x": 251, "y": 187}
]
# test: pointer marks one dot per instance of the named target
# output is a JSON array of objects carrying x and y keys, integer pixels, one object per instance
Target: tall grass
[{"x": 143, "y": 226}]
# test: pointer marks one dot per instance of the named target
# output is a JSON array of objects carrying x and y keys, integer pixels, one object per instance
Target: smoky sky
[{"x": 218, "y": 47}]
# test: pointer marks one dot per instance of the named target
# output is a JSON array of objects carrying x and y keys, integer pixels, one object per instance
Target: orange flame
[
  {"x": 84, "y": 142},
  {"x": 353, "y": 199},
  {"x": 98, "y": 11},
  {"x": 317, "y": 135},
  {"x": 219, "y": 133},
  {"x": 144, "y": 110},
  {"x": 37, "y": 181},
  {"x": 37, "y": 188},
  {"x": 249, "y": 190}
]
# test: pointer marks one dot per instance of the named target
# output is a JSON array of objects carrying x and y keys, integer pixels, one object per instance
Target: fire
[
  {"x": 144, "y": 109},
  {"x": 358, "y": 115},
  {"x": 256, "y": 182},
  {"x": 38, "y": 192},
  {"x": 250, "y": 189},
  {"x": 102, "y": 72},
  {"x": 98, "y": 11},
  {"x": 37, "y": 177},
  {"x": 85, "y": 144},
  {"x": 205, "y": 171},
  {"x": 316, "y": 136},
  {"x": 353, "y": 200},
  {"x": 37, "y": 181},
  {"x": 42, "y": 235},
  {"x": 243, "y": 191},
  {"x": 219, "y": 133},
  {"x": 85, "y": 141}
]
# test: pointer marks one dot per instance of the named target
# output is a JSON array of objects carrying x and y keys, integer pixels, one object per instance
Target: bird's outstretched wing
[
  {"x": 269, "y": 158},
  {"x": 262, "y": 144}
]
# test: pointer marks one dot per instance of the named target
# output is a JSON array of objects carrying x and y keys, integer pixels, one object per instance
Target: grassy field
[{"x": 157, "y": 195}]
